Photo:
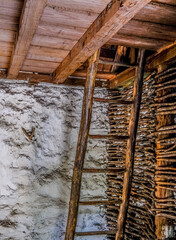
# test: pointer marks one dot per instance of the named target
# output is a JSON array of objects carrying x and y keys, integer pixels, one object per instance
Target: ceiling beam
[
  {"x": 108, "y": 23},
  {"x": 32, "y": 11},
  {"x": 34, "y": 79},
  {"x": 138, "y": 42}
]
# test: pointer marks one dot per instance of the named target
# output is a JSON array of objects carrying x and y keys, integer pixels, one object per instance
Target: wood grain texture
[
  {"x": 149, "y": 30},
  {"x": 47, "y": 78},
  {"x": 90, "y": 6},
  {"x": 138, "y": 42},
  {"x": 11, "y": 7},
  {"x": 165, "y": 56},
  {"x": 158, "y": 13},
  {"x": 34, "y": 69},
  {"x": 39, "y": 66},
  {"x": 46, "y": 54},
  {"x": 162, "y": 222},
  {"x": 60, "y": 30},
  {"x": 52, "y": 42},
  {"x": 6, "y": 49},
  {"x": 131, "y": 142},
  {"x": 81, "y": 146},
  {"x": 7, "y": 36},
  {"x": 102, "y": 75},
  {"x": 170, "y": 2},
  {"x": 109, "y": 22},
  {"x": 67, "y": 16},
  {"x": 123, "y": 77},
  {"x": 32, "y": 10}
]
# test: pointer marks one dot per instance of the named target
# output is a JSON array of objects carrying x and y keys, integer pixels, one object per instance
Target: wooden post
[
  {"x": 129, "y": 162},
  {"x": 81, "y": 146}
]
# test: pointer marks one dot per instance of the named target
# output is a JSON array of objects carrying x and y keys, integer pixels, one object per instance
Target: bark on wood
[
  {"x": 81, "y": 146},
  {"x": 129, "y": 162},
  {"x": 164, "y": 121}
]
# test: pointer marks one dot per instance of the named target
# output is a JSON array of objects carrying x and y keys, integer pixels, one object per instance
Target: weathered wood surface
[
  {"x": 81, "y": 146},
  {"x": 138, "y": 41},
  {"x": 157, "y": 13},
  {"x": 168, "y": 54},
  {"x": 140, "y": 222},
  {"x": 123, "y": 77},
  {"x": 62, "y": 25},
  {"x": 100, "y": 202},
  {"x": 30, "y": 17},
  {"x": 33, "y": 78},
  {"x": 165, "y": 56},
  {"x": 129, "y": 162},
  {"x": 94, "y": 233},
  {"x": 108, "y": 170},
  {"x": 149, "y": 30},
  {"x": 171, "y": 2},
  {"x": 164, "y": 154},
  {"x": 112, "y": 137},
  {"x": 101, "y": 30}
]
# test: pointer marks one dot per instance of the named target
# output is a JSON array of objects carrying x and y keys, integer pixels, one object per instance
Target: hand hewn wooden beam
[
  {"x": 29, "y": 20},
  {"x": 81, "y": 146},
  {"x": 129, "y": 162},
  {"x": 34, "y": 79},
  {"x": 108, "y": 23}
]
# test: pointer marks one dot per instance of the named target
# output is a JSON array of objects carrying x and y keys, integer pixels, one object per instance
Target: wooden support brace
[
  {"x": 81, "y": 146},
  {"x": 129, "y": 162}
]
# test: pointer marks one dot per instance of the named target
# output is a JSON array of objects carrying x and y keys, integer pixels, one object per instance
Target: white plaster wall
[{"x": 35, "y": 176}]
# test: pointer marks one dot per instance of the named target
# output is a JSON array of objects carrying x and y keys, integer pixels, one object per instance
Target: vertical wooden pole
[
  {"x": 81, "y": 146},
  {"x": 129, "y": 162}
]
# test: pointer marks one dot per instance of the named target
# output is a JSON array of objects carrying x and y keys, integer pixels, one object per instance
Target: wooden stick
[
  {"x": 164, "y": 119},
  {"x": 111, "y": 137},
  {"x": 129, "y": 162},
  {"x": 109, "y": 170},
  {"x": 100, "y": 202},
  {"x": 105, "y": 232},
  {"x": 81, "y": 146},
  {"x": 116, "y": 101}
]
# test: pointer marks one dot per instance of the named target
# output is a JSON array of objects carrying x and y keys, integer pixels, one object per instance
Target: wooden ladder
[{"x": 81, "y": 149}]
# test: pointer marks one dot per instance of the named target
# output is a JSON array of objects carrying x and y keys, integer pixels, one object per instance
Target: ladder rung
[
  {"x": 113, "y": 137},
  {"x": 115, "y": 63},
  {"x": 95, "y": 233},
  {"x": 99, "y": 170},
  {"x": 101, "y": 202},
  {"x": 112, "y": 101}
]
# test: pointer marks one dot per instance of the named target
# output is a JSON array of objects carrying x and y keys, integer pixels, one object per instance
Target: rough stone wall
[{"x": 36, "y": 175}]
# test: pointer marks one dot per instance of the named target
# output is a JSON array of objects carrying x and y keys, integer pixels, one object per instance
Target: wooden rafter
[
  {"x": 138, "y": 41},
  {"x": 108, "y": 23},
  {"x": 129, "y": 162},
  {"x": 30, "y": 17},
  {"x": 46, "y": 78}
]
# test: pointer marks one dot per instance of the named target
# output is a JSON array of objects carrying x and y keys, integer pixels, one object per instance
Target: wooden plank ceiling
[{"x": 48, "y": 31}]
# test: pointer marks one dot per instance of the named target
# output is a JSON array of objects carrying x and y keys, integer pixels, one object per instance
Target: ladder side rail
[
  {"x": 129, "y": 161},
  {"x": 81, "y": 146}
]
